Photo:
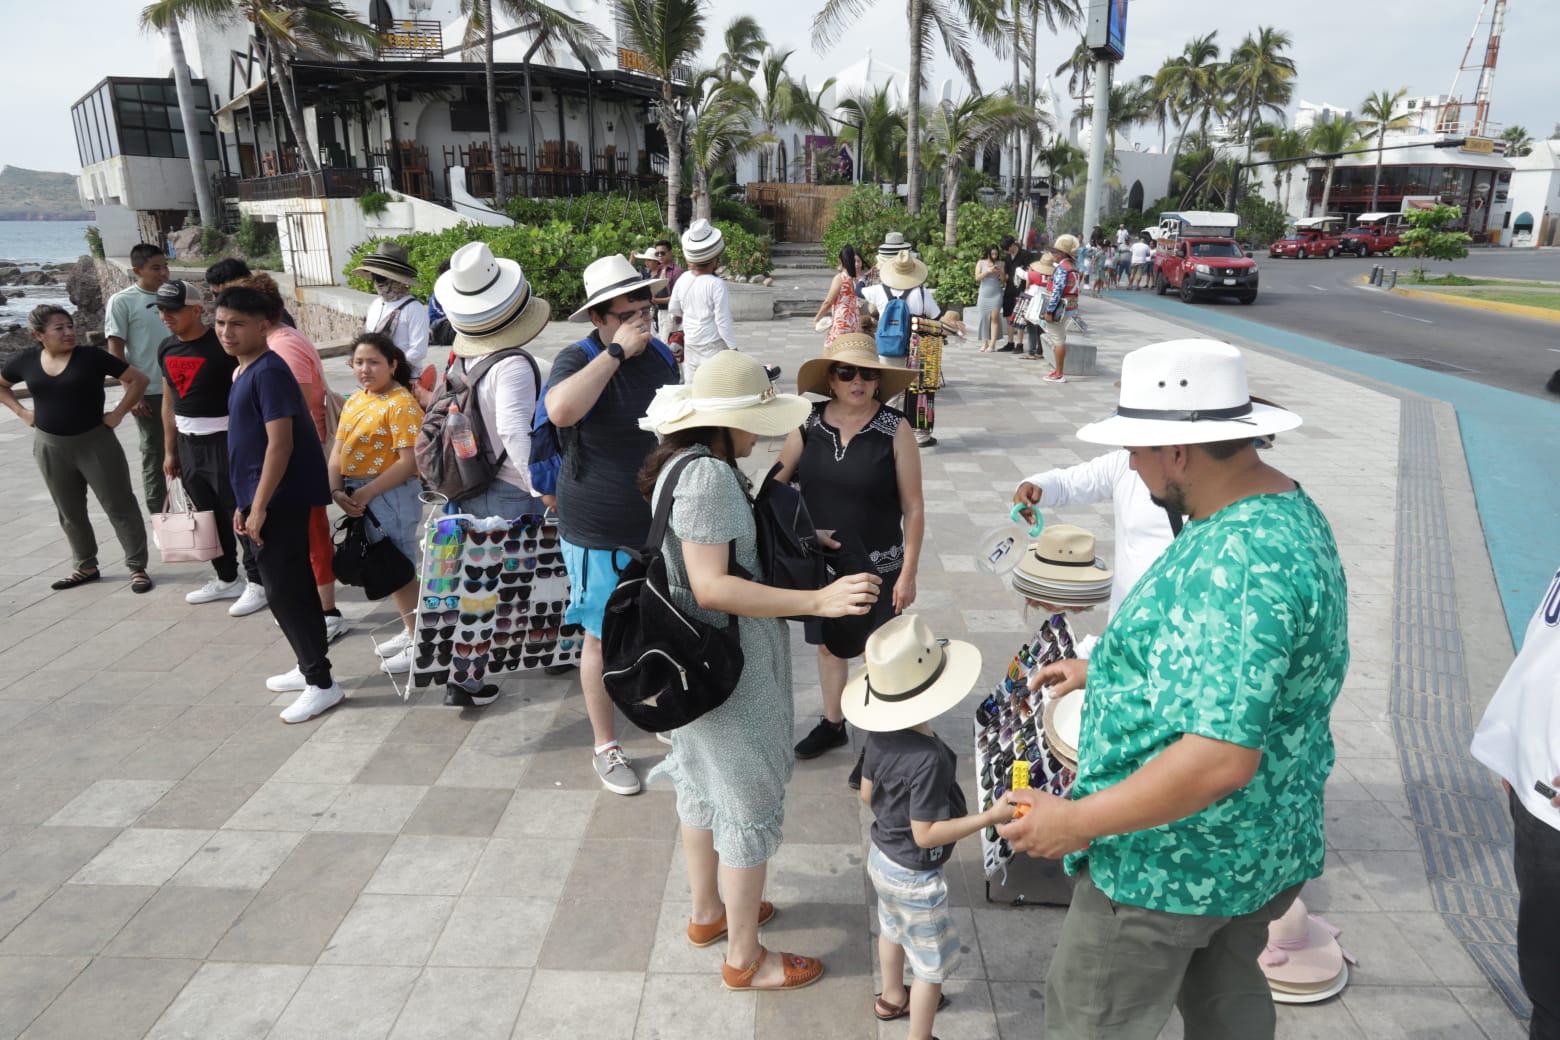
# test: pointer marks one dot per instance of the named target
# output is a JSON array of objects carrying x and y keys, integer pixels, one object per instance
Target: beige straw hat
[
  {"x": 388, "y": 260},
  {"x": 730, "y": 389},
  {"x": 901, "y": 271},
  {"x": 911, "y": 677},
  {"x": 1065, "y": 554},
  {"x": 488, "y": 302},
  {"x": 860, "y": 350}
]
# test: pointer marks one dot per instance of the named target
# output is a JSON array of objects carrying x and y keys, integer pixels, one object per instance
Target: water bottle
[{"x": 458, "y": 428}]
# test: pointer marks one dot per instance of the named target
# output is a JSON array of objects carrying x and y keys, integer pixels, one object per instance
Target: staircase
[{"x": 801, "y": 278}]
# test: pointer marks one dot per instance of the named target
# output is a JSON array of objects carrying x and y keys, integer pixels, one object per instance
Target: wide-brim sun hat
[
  {"x": 388, "y": 260},
  {"x": 731, "y": 389},
  {"x": 860, "y": 350},
  {"x": 1186, "y": 391},
  {"x": 901, "y": 271},
  {"x": 910, "y": 676},
  {"x": 607, "y": 278},
  {"x": 1067, "y": 244},
  {"x": 648, "y": 254},
  {"x": 702, "y": 242},
  {"x": 489, "y": 302},
  {"x": 1044, "y": 265},
  {"x": 1303, "y": 958},
  {"x": 1064, "y": 555}
]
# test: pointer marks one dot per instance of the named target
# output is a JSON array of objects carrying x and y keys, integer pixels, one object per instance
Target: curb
[{"x": 1516, "y": 309}]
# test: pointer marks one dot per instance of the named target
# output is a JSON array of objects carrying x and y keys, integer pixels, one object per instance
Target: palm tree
[
  {"x": 744, "y": 44},
  {"x": 719, "y": 123},
  {"x": 1328, "y": 138},
  {"x": 1026, "y": 37},
  {"x": 1128, "y": 106},
  {"x": 1056, "y": 14},
  {"x": 1065, "y": 161},
  {"x": 877, "y": 129},
  {"x": 1377, "y": 116},
  {"x": 1287, "y": 148},
  {"x": 669, "y": 34},
  {"x": 956, "y": 130},
  {"x": 1518, "y": 142},
  {"x": 186, "y": 92},
  {"x": 949, "y": 20},
  {"x": 774, "y": 101},
  {"x": 1259, "y": 78},
  {"x": 1079, "y": 67}
]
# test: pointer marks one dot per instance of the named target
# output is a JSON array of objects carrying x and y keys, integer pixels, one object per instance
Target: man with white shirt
[
  {"x": 699, "y": 299},
  {"x": 1141, "y": 252}
]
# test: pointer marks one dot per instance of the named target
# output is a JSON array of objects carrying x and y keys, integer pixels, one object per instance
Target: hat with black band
[{"x": 910, "y": 677}]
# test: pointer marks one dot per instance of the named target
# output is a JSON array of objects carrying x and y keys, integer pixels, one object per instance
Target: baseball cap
[{"x": 175, "y": 295}]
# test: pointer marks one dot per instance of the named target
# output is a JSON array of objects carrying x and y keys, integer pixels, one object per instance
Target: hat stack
[
  {"x": 1062, "y": 720},
  {"x": 1061, "y": 569},
  {"x": 390, "y": 261},
  {"x": 488, "y": 302},
  {"x": 1302, "y": 960}
]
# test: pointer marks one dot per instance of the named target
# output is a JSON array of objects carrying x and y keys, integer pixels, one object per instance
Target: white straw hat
[
  {"x": 609, "y": 277},
  {"x": 488, "y": 302},
  {"x": 730, "y": 389},
  {"x": 910, "y": 677},
  {"x": 702, "y": 242},
  {"x": 1186, "y": 391}
]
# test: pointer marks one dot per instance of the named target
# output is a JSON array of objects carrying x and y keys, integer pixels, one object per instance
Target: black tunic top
[
  {"x": 855, "y": 487},
  {"x": 72, "y": 402}
]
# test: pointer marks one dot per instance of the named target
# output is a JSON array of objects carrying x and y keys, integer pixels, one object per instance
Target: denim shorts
[
  {"x": 399, "y": 512},
  {"x": 593, "y": 574},
  {"x": 499, "y": 498},
  {"x": 913, "y": 912}
]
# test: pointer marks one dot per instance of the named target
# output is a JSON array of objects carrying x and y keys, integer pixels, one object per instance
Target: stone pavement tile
[
  {"x": 1387, "y": 957},
  {"x": 1339, "y": 888},
  {"x": 238, "y": 859},
  {"x": 240, "y": 760},
  {"x": 1429, "y": 937},
  {"x": 340, "y": 863},
  {"x": 592, "y": 934},
  {"x": 426, "y": 865},
  {"x": 33, "y": 799},
  {"x": 484, "y": 767},
  {"x": 285, "y": 807},
  {"x": 110, "y": 803},
  {"x": 531, "y": 867},
  {"x": 1408, "y": 1011},
  {"x": 114, "y": 687},
  {"x": 650, "y": 814},
  {"x": 970, "y": 1014},
  {"x": 142, "y": 856},
  {"x": 1016, "y": 944},
  {"x": 1487, "y": 1009},
  {"x": 320, "y": 763},
  {"x": 29, "y": 984},
  {"x": 1382, "y": 778},
  {"x": 433, "y": 725},
  {"x": 470, "y": 1003},
  {"x": 837, "y": 935},
  {"x": 202, "y": 722},
  {"x": 1329, "y": 1020},
  {"x": 556, "y": 1002},
  {"x": 76, "y": 920},
  {"x": 163, "y": 759},
  {"x": 674, "y": 954},
  {"x": 39, "y": 861},
  {"x": 467, "y": 812},
  {"x": 672, "y": 1009},
  {"x": 1366, "y": 827},
  {"x": 113, "y": 999},
  {"x": 389, "y": 930},
  {"x": 356, "y": 723},
  {"x": 196, "y": 804},
  {"x": 817, "y": 874},
  {"x": 371, "y": 808},
  {"x": 337, "y": 1001},
  {"x": 230, "y": 1002},
  {"x": 404, "y": 763},
  {"x": 570, "y": 768},
  {"x": 822, "y": 818},
  {"x": 548, "y": 813},
  {"x": 626, "y": 869},
  {"x": 516, "y": 727},
  {"x": 1394, "y": 880},
  {"x": 180, "y": 922},
  {"x": 502, "y": 932}
]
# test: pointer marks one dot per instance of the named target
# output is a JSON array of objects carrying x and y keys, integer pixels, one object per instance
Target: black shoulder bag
[{"x": 378, "y": 568}]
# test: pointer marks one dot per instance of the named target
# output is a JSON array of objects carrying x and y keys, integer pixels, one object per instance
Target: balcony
[{"x": 332, "y": 182}]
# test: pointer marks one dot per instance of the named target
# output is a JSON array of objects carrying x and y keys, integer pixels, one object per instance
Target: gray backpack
[{"x": 442, "y": 469}]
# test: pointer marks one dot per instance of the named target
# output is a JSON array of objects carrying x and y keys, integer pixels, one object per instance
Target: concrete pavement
[{"x": 175, "y": 862}]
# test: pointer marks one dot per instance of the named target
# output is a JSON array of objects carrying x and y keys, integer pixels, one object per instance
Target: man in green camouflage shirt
[{"x": 1205, "y": 745}]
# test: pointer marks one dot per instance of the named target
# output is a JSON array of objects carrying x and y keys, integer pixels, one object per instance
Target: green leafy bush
[
  {"x": 1431, "y": 237},
  {"x": 373, "y": 203},
  {"x": 256, "y": 238},
  {"x": 1261, "y": 221},
  {"x": 862, "y": 220},
  {"x": 94, "y": 239},
  {"x": 212, "y": 242},
  {"x": 951, "y": 272},
  {"x": 735, "y": 211}
]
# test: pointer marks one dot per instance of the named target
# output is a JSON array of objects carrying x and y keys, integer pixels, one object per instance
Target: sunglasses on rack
[
  {"x": 530, "y": 563},
  {"x": 444, "y": 568},
  {"x": 429, "y": 635},
  {"x": 426, "y": 661},
  {"x": 541, "y": 621},
  {"x": 547, "y": 539},
  {"x": 444, "y": 553},
  {"x": 537, "y": 660},
  {"x": 472, "y": 668},
  {"x": 848, "y": 373},
  {"x": 440, "y": 617},
  {"x": 478, "y": 605},
  {"x": 494, "y": 537},
  {"x": 447, "y": 532},
  {"x": 476, "y": 619},
  {"x": 539, "y": 636},
  {"x": 473, "y": 649},
  {"x": 473, "y": 587},
  {"x": 440, "y": 586},
  {"x": 478, "y": 553},
  {"x": 484, "y": 572},
  {"x": 435, "y": 602},
  {"x": 509, "y": 594}
]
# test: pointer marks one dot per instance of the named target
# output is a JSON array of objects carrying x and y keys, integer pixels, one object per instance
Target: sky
[{"x": 1344, "y": 49}]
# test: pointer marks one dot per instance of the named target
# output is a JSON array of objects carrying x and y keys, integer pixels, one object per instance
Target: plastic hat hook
[{"x": 1015, "y": 515}]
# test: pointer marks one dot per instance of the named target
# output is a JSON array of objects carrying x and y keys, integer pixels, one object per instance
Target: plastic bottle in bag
[{"x": 458, "y": 429}]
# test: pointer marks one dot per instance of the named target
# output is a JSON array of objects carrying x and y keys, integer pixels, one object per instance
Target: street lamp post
[{"x": 1097, "y": 135}]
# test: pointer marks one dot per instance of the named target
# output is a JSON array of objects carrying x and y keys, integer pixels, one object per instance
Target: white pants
[{"x": 695, "y": 354}]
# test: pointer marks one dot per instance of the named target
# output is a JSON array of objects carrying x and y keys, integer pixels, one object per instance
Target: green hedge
[{"x": 951, "y": 272}]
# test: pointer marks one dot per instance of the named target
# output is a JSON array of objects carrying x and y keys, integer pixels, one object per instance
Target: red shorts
[{"x": 321, "y": 548}]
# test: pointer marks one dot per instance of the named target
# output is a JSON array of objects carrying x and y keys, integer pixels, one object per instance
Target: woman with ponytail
[{"x": 840, "y": 307}]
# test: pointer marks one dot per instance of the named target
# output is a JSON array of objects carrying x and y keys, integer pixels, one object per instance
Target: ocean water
[{"x": 27, "y": 242}]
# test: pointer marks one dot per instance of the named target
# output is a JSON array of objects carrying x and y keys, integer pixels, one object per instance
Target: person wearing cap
[
  {"x": 902, "y": 276},
  {"x": 1205, "y": 742},
  {"x": 197, "y": 376},
  {"x": 395, "y": 312},
  {"x": 597, "y": 393},
  {"x": 909, "y": 779},
  {"x": 730, "y": 766},
  {"x": 698, "y": 303},
  {"x": 859, "y": 471},
  {"x": 1061, "y": 303},
  {"x": 134, "y": 332},
  {"x": 1519, "y": 739}
]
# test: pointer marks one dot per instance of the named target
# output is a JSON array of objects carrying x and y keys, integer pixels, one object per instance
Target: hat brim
[
  {"x": 813, "y": 376},
  {"x": 583, "y": 314},
  {"x": 774, "y": 418},
  {"x": 1120, "y": 431},
  {"x": 875, "y": 715},
  {"x": 1331, "y": 990},
  {"x": 1056, "y": 574},
  {"x": 387, "y": 269},
  {"x": 1312, "y": 968},
  {"x": 517, "y": 333},
  {"x": 890, "y": 275},
  {"x": 473, "y": 314},
  {"x": 1062, "y": 720}
]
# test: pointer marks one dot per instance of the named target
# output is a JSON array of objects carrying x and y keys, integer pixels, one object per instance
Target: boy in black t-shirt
[{"x": 908, "y": 780}]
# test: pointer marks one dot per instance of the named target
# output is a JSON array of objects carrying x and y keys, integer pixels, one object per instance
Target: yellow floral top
[{"x": 374, "y": 427}]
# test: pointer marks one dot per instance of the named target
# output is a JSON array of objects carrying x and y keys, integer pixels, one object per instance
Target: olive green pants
[
  {"x": 1119, "y": 969},
  {"x": 71, "y": 465}
]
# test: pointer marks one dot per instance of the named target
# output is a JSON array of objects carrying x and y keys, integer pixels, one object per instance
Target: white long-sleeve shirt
[
  {"x": 1142, "y": 528},
  {"x": 506, "y": 393},
  {"x": 700, "y": 300},
  {"x": 406, "y": 322}
]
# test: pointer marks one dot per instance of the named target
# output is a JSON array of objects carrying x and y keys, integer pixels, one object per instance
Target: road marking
[
  {"x": 1555, "y": 349},
  {"x": 1318, "y": 288},
  {"x": 1410, "y": 317}
]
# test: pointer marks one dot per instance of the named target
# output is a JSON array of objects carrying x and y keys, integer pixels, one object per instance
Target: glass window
[
  {"x": 160, "y": 143},
  {"x": 134, "y": 141}
]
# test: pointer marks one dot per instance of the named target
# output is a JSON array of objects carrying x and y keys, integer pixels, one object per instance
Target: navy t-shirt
[
  {"x": 262, "y": 393},
  {"x": 913, "y": 778}
]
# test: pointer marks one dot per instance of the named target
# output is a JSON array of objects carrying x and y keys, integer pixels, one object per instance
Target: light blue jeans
[{"x": 499, "y": 498}]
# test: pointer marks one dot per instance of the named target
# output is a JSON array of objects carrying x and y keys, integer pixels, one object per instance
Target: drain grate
[{"x": 1433, "y": 365}]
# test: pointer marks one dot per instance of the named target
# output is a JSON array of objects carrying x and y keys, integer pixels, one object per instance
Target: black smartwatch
[{"x": 615, "y": 350}]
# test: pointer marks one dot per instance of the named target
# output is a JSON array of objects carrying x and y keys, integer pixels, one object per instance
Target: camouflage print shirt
[{"x": 1239, "y": 633}]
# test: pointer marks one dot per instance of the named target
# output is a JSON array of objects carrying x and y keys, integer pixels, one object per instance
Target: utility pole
[{"x": 1097, "y": 141}]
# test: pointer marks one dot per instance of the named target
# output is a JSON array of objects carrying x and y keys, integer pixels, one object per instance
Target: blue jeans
[{"x": 499, "y": 498}]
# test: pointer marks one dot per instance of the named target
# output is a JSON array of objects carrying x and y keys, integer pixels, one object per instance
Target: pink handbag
[{"x": 183, "y": 535}]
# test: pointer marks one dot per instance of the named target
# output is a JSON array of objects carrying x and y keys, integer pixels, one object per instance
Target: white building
[
  {"x": 1535, "y": 197},
  {"x": 1308, "y": 114}
]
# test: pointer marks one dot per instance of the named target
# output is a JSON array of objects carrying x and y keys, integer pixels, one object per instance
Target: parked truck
[
  {"x": 1310, "y": 236},
  {"x": 1373, "y": 233},
  {"x": 1197, "y": 255}
]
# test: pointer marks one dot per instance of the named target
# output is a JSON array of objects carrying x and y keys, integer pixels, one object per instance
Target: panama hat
[
  {"x": 609, "y": 277},
  {"x": 1186, "y": 391},
  {"x": 730, "y": 389},
  {"x": 1044, "y": 265},
  {"x": 648, "y": 254},
  {"x": 910, "y": 677},
  {"x": 1303, "y": 960},
  {"x": 860, "y": 350},
  {"x": 1067, "y": 244},
  {"x": 388, "y": 260},
  {"x": 1062, "y": 720},
  {"x": 893, "y": 244},
  {"x": 702, "y": 242},
  {"x": 1064, "y": 555},
  {"x": 901, "y": 271},
  {"x": 488, "y": 302}
]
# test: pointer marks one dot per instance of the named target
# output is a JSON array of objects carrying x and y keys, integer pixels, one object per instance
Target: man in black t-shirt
[
  {"x": 198, "y": 375},
  {"x": 1014, "y": 259}
]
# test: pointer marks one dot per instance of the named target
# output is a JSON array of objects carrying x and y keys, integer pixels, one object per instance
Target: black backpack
[
  {"x": 789, "y": 556},
  {"x": 663, "y": 669}
]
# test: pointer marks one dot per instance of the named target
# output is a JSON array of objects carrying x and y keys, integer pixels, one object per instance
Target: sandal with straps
[
  {"x": 898, "y": 1011},
  {"x": 140, "y": 582},
  {"x": 77, "y": 578},
  {"x": 702, "y": 935},
  {"x": 799, "y": 972}
]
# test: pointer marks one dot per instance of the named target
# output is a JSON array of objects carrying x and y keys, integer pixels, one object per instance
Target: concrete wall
[
  {"x": 140, "y": 182},
  {"x": 118, "y": 227}
]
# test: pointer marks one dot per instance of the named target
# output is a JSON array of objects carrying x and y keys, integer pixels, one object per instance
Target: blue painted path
[{"x": 1512, "y": 442}]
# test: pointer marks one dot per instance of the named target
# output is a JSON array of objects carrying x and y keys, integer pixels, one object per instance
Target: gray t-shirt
[{"x": 913, "y": 778}]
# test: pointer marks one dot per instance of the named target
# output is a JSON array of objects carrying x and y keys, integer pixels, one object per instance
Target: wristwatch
[{"x": 615, "y": 350}]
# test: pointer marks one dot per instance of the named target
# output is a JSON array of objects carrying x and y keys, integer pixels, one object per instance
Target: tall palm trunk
[
  {"x": 306, "y": 156},
  {"x": 673, "y": 127},
  {"x": 1327, "y": 186},
  {"x": 492, "y": 104},
  {"x": 186, "y": 92},
  {"x": 1375, "y": 182},
  {"x": 913, "y": 122},
  {"x": 1029, "y": 131},
  {"x": 951, "y": 202},
  {"x": 701, "y": 193},
  {"x": 1013, "y": 145}
]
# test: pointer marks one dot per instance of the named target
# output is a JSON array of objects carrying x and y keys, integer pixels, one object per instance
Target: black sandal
[
  {"x": 140, "y": 582},
  {"x": 77, "y": 578},
  {"x": 900, "y": 1010}
]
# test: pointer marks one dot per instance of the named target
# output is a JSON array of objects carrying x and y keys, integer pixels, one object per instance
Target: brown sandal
[
  {"x": 898, "y": 1011},
  {"x": 799, "y": 973},
  {"x": 702, "y": 935}
]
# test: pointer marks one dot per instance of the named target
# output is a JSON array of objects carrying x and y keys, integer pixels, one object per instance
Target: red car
[{"x": 1312, "y": 236}]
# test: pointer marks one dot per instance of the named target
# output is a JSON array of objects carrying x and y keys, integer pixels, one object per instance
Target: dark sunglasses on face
[
  {"x": 642, "y": 313},
  {"x": 848, "y": 373}
]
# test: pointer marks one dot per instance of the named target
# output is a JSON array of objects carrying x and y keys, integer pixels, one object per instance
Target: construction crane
[{"x": 1451, "y": 113}]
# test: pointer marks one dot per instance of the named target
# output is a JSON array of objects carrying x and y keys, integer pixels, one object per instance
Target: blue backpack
[
  {"x": 546, "y": 439},
  {"x": 893, "y": 329}
]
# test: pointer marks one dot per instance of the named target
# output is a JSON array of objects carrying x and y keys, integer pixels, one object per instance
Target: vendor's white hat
[
  {"x": 730, "y": 389},
  {"x": 911, "y": 676},
  {"x": 1186, "y": 391},
  {"x": 609, "y": 277},
  {"x": 702, "y": 242},
  {"x": 488, "y": 302}
]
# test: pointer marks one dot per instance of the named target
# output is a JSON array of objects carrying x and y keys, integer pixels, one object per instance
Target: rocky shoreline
[{"x": 77, "y": 282}]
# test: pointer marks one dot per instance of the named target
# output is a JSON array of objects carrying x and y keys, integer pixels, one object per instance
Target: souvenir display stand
[{"x": 491, "y": 600}]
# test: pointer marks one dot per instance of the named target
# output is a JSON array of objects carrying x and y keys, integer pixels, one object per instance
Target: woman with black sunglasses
[{"x": 859, "y": 470}]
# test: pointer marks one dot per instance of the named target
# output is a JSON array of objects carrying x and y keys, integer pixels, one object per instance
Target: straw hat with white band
[
  {"x": 859, "y": 350},
  {"x": 1186, "y": 391},
  {"x": 609, "y": 277},
  {"x": 702, "y": 242},
  {"x": 731, "y": 389},
  {"x": 911, "y": 677},
  {"x": 388, "y": 260},
  {"x": 488, "y": 302}
]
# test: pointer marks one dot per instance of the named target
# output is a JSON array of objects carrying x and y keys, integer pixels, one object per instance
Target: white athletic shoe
[
  {"x": 252, "y": 600},
  {"x": 287, "y": 682},
  {"x": 314, "y": 701},
  {"x": 335, "y": 627},
  {"x": 399, "y": 664},
  {"x": 214, "y": 590},
  {"x": 394, "y": 645}
]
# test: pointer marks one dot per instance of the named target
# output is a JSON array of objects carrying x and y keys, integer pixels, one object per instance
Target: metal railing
[{"x": 332, "y": 182}]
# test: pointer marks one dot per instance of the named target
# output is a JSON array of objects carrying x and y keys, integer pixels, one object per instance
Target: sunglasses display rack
[
  {"x": 1009, "y": 730},
  {"x": 491, "y": 600}
]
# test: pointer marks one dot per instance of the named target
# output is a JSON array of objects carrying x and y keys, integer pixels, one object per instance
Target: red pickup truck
[
  {"x": 1375, "y": 233},
  {"x": 1312, "y": 236},
  {"x": 1205, "y": 267}
]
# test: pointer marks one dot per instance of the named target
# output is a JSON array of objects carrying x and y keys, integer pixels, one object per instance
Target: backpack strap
[
  {"x": 663, "y": 508},
  {"x": 469, "y": 380}
]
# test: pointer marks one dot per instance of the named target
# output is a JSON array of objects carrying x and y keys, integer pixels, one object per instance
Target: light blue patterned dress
[{"x": 730, "y": 766}]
